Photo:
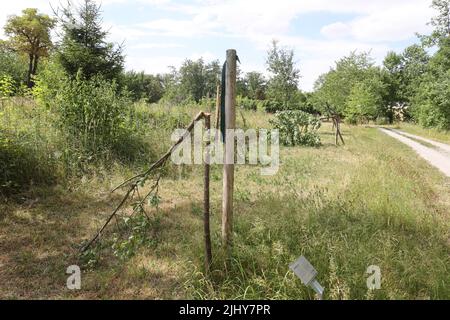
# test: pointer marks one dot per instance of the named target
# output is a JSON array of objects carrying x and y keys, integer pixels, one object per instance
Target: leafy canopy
[{"x": 84, "y": 47}]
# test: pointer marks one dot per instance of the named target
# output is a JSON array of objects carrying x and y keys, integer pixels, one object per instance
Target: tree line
[{"x": 411, "y": 85}]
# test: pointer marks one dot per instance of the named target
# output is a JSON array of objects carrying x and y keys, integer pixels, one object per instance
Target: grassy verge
[
  {"x": 370, "y": 202},
  {"x": 442, "y": 136}
]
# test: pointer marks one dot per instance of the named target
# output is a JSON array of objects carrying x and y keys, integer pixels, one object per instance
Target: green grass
[
  {"x": 370, "y": 202},
  {"x": 438, "y": 135}
]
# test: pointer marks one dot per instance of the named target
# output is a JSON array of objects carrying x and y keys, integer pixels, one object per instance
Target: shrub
[
  {"x": 297, "y": 128},
  {"x": 272, "y": 106},
  {"x": 91, "y": 112},
  {"x": 50, "y": 80},
  {"x": 246, "y": 103},
  {"x": 21, "y": 166},
  {"x": 7, "y": 86},
  {"x": 381, "y": 121}
]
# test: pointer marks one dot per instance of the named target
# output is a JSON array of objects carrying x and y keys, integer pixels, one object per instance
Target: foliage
[
  {"x": 143, "y": 86},
  {"x": 12, "y": 64},
  {"x": 26, "y": 157},
  {"x": 297, "y": 128},
  {"x": 30, "y": 34},
  {"x": 255, "y": 85},
  {"x": 7, "y": 86},
  {"x": 335, "y": 86},
  {"x": 192, "y": 82},
  {"x": 365, "y": 101},
  {"x": 246, "y": 103},
  {"x": 91, "y": 113},
  {"x": 197, "y": 79},
  {"x": 48, "y": 83},
  {"x": 136, "y": 232},
  {"x": 440, "y": 24},
  {"x": 84, "y": 46},
  {"x": 271, "y": 106},
  {"x": 432, "y": 101},
  {"x": 285, "y": 76},
  {"x": 19, "y": 168}
]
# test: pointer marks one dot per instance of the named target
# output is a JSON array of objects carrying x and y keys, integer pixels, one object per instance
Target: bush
[
  {"x": 297, "y": 128},
  {"x": 50, "y": 80},
  {"x": 381, "y": 121},
  {"x": 21, "y": 167},
  {"x": 271, "y": 106},
  {"x": 432, "y": 103},
  {"x": 7, "y": 86},
  {"x": 92, "y": 113},
  {"x": 246, "y": 103}
]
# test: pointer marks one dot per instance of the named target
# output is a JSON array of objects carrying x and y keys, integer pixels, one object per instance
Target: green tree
[
  {"x": 84, "y": 46},
  {"x": 195, "y": 79},
  {"x": 12, "y": 64},
  {"x": 255, "y": 84},
  {"x": 6, "y": 86},
  {"x": 335, "y": 86},
  {"x": 283, "y": 83},
  {"x": 415, "y": 63},
  {"x": 431, "y": 97},
  {"x": 30, "y": 34},
  {"x": 393, "y": 77},
  {"x": 440, "y": 23},
  {"x": 143, "y": 86},
  {"x": 431, "y": 102},
  {"x": 192, "y": 78},
  {"x": 366, "y": 99}
]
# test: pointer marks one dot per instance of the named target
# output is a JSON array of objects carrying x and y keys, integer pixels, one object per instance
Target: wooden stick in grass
[
  {"x": 141, "y": 178},
  {"x": 206, "y": 207}
]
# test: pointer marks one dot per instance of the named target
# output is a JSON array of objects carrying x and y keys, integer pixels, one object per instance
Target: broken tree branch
[{"x": 142, "y": 178}]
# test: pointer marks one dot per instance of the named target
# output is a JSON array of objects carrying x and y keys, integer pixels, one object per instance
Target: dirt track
[{"x": 439, "y": 156}]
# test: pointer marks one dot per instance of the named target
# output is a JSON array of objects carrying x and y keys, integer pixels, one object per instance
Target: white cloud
[
  {"x": 206, "y": 56},
  {"x": 336, "y": 30},
  {"x": 154, "y": 64},
  {"x": 377, "y": 26},
  {"x": 156, "y": 46},
  {"x": 396, "y": 23}
]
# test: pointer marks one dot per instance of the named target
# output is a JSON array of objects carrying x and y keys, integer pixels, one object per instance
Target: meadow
[{"x": 370, "y": 202}]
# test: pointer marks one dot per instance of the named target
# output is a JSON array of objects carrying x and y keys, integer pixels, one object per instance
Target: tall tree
[
  {"x": 197, "y": 78},
  {"x": 143, "y": 86},
  {"x": 335, "y": 86},
  {"x": 84, "y": 47},
  {"x": 431, "y": 97},
  {"x": 393, "y": 77},
  {"x": 30, "y": 34},
  {"x": 440, "y": 23},
  {"x": 12, "y": 63},
  {"x": 255, "y": 83},
  {"x": 414, "y": 66},
  {"x": 283, "y": 85}
]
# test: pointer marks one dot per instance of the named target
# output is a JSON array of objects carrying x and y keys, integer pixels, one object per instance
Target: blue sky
[{"x": 161, "y": 33}]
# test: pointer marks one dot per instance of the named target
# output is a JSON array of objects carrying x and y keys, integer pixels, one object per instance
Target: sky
[{"x": 157, "y": 34}]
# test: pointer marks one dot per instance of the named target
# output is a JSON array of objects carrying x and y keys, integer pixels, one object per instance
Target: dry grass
[
  {"x": 372, "y": 201},
  {"x": 442, "y": 136}
]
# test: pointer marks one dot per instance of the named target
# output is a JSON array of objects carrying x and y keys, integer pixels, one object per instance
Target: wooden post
[
  {"x": 339, "y": 129},
  {"x": 228, "y": 167},
  {"x": 217, "y": 113},
  {"x": 208, "y": 252},
  {"x": 336, "y": 126}
]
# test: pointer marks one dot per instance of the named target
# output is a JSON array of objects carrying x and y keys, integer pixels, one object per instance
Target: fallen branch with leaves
[{"x": 141, "y": 179}]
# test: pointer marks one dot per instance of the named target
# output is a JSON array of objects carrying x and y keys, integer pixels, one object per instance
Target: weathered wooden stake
[
  {"x": 336, "y": 126},
  {"x": 208, "y": 252},
  {"x": 228, "y": 167},
  {"x": 217, "y": 113}
]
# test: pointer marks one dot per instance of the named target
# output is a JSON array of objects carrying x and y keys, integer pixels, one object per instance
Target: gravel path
[{"x": 438, "y": 157}]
